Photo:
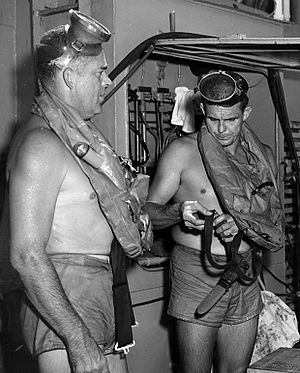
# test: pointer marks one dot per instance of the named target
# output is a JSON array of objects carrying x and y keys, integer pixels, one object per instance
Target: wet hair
[
  {"x": 56, "y": 40},
  {"x": 52, "y": 45}
]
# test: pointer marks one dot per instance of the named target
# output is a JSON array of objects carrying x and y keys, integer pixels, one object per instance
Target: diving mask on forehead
[
  {"x": 84, "y": 35},
  {"x": 221, "y": 86}
]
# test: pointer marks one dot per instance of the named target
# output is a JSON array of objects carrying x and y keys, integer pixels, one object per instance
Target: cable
[
  {"x": 277, "y": 278},
  {"x": 149, "y": 301}
]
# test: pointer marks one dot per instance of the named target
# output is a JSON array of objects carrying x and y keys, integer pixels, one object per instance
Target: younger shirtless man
[
  {"x": 181, "y": 177},
  {"x": 60, "y": 237}
]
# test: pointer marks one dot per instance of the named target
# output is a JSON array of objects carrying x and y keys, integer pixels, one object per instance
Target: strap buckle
[
  {"x": 124, "y": 349},
  {"x": 77, "y": 45}
]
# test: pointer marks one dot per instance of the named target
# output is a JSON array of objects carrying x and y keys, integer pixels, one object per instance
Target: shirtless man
[
  {"x": 181, "y": 178},
  {"x": 60, "y": 239}
]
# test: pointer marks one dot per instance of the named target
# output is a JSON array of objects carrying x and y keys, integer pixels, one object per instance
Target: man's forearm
[
  {"x": 163, "y": 216},
  {"x": 45, "y": 291}
]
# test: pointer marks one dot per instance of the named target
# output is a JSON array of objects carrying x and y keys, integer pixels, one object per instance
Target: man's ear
[
  {"x": 247, "y": 112},
  {"x": 68, "y": 76}
]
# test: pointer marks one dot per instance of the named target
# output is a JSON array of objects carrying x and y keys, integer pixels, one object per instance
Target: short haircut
[{"x": 53, "y": 44}]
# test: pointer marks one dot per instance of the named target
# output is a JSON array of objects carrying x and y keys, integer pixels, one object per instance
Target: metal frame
[{"x": 266, "y": 56}]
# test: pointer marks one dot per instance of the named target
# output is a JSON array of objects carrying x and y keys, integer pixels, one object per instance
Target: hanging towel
[{"x": 183, "y": 112}]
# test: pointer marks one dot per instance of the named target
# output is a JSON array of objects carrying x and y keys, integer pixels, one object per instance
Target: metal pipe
[
  {"x": 129, "y": 74},
  {"x": 277, "y": 93},
  {"x": 172, "y": 21},
  {"x": 60, "y": 9}
]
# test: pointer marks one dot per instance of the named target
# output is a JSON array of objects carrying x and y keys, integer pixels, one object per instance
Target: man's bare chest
[{"x": 194, "y": 182}]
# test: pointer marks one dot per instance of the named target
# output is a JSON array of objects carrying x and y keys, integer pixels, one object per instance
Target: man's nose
[
  {"x": 221, "y": 126},
  {"x": 106, "y": 81}
]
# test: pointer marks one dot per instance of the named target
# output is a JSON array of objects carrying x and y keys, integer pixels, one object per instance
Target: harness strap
[
  {"x": 124, "y": 316},
  {"x": 230, "y": 248},
  {"x": 236, "y": 263}
]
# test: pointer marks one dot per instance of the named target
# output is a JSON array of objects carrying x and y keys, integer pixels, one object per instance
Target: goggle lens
[{"x": 220, "y": 86}]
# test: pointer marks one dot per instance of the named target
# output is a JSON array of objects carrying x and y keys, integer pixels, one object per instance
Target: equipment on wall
[{"x": 150, "y": 129}]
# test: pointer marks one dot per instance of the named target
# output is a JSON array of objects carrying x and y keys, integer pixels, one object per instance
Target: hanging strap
[
  {"x": 230, "y": 248},
  {"x": 235, "y": 261},
  {"x": 124, "y": 317}
]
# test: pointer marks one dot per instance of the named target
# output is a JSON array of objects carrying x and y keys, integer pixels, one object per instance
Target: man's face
[
  {"x": 89, "y": 87},
  {"x": 225, "y": 123}
]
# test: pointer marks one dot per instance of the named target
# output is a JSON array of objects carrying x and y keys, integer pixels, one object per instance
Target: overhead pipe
[{"x": 129, "y": 74}]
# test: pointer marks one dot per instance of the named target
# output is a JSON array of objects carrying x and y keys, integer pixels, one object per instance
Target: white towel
[{"x": 184, "y": 113}]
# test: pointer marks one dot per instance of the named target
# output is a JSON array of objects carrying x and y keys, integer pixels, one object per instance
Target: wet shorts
[
  {"x": 191, "y": 283},
  {"x": 87, "y": 282}
]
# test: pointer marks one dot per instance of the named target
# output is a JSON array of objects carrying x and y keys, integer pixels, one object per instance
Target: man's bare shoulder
[
  {"x": 35, "y": 145},
  {"x": 186, "y": 140},
  {"x": 183, "y": 145}
]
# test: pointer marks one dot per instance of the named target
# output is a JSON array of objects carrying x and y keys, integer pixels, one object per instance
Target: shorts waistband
[
  {"x": 80, "y": 259},
  {"x": 197, "y": 252},
  {"x": 105, "y": 258}
]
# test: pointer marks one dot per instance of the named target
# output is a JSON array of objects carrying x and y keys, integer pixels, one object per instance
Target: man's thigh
[
  {"x": 235, "y": 345},
  {"x": 56, "y": 361},
  {"x": 117, "y": 364},
  {"x": 196, "y": 346}
]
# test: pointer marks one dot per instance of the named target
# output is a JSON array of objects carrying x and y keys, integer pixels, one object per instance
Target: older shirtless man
[
  {"x": 64, "y": 186},
  {"x": 181, "y": 195}
]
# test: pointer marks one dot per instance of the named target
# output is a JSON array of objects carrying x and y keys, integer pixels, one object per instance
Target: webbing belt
[
  {"x": 235, "y": 268},
  {"x": 124, "y": 317},
  {"x": 234, "y": 260}
]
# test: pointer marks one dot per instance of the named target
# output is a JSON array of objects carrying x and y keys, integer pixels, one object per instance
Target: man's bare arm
[
  {"x": 190, "y": 213},
  {"x": 163, "y": 216},
  {"x": 166, "y": 182},
  {"x": 34, "y": 182}
]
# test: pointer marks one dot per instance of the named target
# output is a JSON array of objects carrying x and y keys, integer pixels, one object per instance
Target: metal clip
[
  {"x": 124, "y": 349},
  {"x": 77, "y": 45},
  {"x": 215, "y": 213}
]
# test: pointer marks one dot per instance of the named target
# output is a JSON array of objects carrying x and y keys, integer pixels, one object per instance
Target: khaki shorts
[
  {"x": 87, "y": 282},
  {"x": 191, "y": 283}
]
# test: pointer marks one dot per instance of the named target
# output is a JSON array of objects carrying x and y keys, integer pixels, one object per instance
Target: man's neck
[{"x": 238, "y": 153}]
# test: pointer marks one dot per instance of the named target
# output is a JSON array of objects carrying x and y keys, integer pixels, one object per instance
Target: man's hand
[
  {"x": 190, "y": 211},
  {"x": 87, "y": 357},
  {"x": 225, "y": 227}
]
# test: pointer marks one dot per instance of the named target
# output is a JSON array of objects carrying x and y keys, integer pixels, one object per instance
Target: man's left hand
[{"x": 225, "y": 227}]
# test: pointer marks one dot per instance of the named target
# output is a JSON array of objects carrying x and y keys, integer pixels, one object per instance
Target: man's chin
[
  {"x": 97, "y": 111},
  {"x": 224, "y": 142}
]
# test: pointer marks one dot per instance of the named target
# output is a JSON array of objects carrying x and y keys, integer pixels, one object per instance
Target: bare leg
[
  {"x": 116, "y": 364},
  {"x": 56, "y": 361},
  {"x": 235, "y": 346},
  {"x": 196, "y": 345}
]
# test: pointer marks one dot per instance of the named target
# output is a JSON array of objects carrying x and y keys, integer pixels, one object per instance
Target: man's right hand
[
  {"x": 87, "y": 357},
  {"x": 190, "y": 211}
]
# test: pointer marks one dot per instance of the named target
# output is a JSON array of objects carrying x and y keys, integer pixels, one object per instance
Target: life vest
[
  {"x": 120, "y": 192},
  {"x": 248, "y": 192}
]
